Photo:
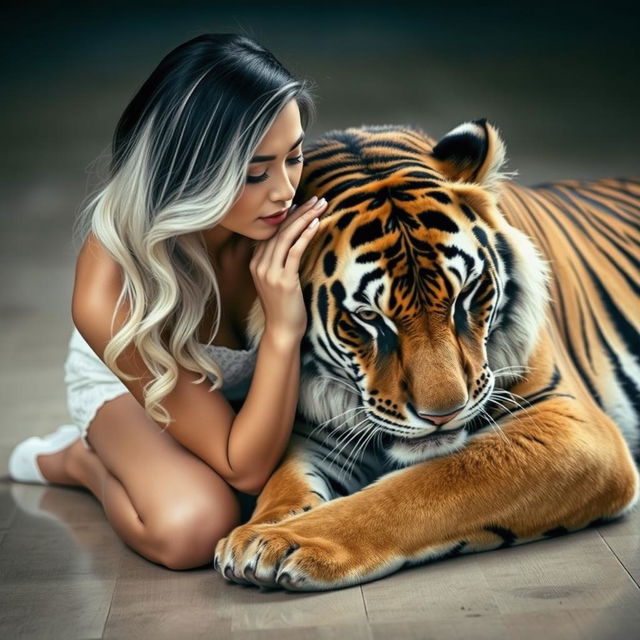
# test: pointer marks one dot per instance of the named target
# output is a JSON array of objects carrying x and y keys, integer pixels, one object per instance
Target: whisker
[
  {"x": 341, "y": 430},
  {"x": 496, "y": 427},
  {"x": 508, "y": 396},
  {"x": 341, "y": 381},
  {"x": 365, "y": 434},
  {"x": 363, "y": 448},
  {"x": 323, "y": 424},
  {"x": 522, "y": 367},
  {"x": 350, "y": 434}
]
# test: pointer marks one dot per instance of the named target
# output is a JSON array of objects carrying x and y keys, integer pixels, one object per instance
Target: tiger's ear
[{"x": 472, "y": 152}]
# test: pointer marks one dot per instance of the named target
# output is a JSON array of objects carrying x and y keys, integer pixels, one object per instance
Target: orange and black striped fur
[{"x": 471, "y": 367}]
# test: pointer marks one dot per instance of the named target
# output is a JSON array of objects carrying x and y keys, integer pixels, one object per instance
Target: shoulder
[
  {"x": 97, "y": 287},
  {"x": 94, "y": 260}
]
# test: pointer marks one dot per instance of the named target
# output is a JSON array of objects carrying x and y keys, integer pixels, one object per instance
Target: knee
[{"x": 186, "y": 534}]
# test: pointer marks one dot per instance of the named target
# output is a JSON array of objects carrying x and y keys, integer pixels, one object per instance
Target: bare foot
[{"x": 55, "y": 466}]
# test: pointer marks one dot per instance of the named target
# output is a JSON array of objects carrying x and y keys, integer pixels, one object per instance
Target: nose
[
  {"x": 283, "y": 190},
  {"x": 439, "y": 418}
]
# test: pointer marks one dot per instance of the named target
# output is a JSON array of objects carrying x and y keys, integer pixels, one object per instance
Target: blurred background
[{"x": 559, "y": 80}]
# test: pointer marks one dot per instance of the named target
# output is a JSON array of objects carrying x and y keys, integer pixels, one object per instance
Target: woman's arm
[
  {"x": 262, "y": 428},
  {"x": 244, "y": 448}
]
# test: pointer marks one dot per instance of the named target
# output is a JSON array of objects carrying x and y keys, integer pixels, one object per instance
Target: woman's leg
[{"x": 163, "y": 501}]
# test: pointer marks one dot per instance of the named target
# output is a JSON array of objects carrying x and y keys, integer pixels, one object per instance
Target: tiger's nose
[{"x": 440, "y": 419}]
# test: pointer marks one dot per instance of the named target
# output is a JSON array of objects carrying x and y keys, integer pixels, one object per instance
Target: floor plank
[
  {"x": 325, "y": 632},
  {"x": 71, "y": 607},
  {"x": 602, "y": 624},
  {"x": 167, "y": 605},
  {"x": 623, "y": 538},
  {"x": 491, "y": 591},
  {"x": 7, "y": 507}
]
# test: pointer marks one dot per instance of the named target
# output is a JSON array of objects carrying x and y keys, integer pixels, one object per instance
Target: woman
[{"x": 205, "y": 162}]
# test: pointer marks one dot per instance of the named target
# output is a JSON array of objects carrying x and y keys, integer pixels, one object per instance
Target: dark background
[{"x": 559, "y": 80}]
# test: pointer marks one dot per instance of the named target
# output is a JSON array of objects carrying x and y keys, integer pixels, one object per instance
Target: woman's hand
[{"x": 275, "y": 268}]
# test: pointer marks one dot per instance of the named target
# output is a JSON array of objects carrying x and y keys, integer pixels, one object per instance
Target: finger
[
  {"x": 269, "y": 248},
  {"x": 271, "y": 242},
  {"x": 296, "y": 221},
  {"x": 300, "y": 210},
  {"x": 294, "y": 255},
  {"x": 258, "y": 255},
  {"x": 289, "y": 236},
  {"x": 258, "y": 250}
]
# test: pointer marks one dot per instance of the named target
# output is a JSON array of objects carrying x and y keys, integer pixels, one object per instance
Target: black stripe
[
  {"x": 369, "y": 148},
  {"x": 434, "y": 219},
  {"x": 585, "y": 232},
  {"x": 512, "y": 290},
  {"x": 624, "y": 382},
  {"x": 508, "y": 537},
  {"x": 456, "y": 550},
  {"x": 568, "y": 342},
  {"x": 452, "y": 252},
  {"x": 345, "y": 220},
  {"x": 369, "y": 256},
  {"x": 326, "y": 179},
  {"x": 364, "y": 282},
  {"x": 443, "y": 198},
  {"x": 481, "y": 235},
  {"x": 367, "y": 232},
  {"x": 329, "y": 263},
  {"x": 353, "y": 200}
]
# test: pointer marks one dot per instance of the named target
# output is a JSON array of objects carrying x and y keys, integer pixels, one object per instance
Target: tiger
[{"x": 470, "y": 372}]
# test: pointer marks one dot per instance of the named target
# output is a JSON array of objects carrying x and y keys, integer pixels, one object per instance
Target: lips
[{"x": 277, "y": 214}]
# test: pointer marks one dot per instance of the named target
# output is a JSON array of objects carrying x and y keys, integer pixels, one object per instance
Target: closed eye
[{"x": 263, "y": 176}]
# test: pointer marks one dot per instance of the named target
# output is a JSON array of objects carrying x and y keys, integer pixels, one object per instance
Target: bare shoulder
[
  {"x": 96, "y": 266},
  {"x": 98, "y": 283}
]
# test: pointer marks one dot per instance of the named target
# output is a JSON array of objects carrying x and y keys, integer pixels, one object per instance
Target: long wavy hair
[{"x": 179, "y": 161}]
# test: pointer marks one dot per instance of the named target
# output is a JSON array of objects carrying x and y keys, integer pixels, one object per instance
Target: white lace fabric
[{"x": 237, "y": 369}]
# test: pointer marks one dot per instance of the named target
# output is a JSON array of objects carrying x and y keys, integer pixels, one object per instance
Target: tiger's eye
[{"x": 367, "y": 315}]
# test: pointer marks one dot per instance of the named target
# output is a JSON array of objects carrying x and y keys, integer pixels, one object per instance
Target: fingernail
[
  {"x": 313, "y": 223},
  {"x": 311, "y": 200},
  {"x": 320, "y": 203}
]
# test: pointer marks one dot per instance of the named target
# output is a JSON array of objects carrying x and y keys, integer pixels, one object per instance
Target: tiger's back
[{"x": 590, "y": 234}]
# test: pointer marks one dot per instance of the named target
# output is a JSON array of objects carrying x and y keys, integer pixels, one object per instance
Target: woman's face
[{"x": 272, "y": 178}]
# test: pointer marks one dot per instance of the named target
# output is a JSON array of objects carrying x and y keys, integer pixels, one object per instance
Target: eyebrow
[{"x": 269, "y": 158}]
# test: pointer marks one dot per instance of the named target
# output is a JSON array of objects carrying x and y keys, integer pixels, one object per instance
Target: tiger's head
[{"x": 418, "y": 291}]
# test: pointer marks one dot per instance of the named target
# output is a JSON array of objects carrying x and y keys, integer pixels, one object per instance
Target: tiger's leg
[
  {"x": 293, "y": 488},
  {"x": 554, "y": 469},
  {"x": 308, "y": 477}
]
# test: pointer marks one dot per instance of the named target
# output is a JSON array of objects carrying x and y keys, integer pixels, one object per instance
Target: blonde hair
[{"x": 177, "y": 168}]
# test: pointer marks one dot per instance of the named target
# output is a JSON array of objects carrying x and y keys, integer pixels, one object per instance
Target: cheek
[{"x": 249, "y": 203}]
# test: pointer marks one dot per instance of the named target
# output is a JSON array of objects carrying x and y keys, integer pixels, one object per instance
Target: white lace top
[{"x": 237, "y": 369}]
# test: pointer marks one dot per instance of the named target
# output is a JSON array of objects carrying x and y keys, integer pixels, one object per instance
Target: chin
[{"x": 403, "y": 452}]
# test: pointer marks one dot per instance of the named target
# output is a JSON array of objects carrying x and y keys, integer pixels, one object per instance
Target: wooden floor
[{"x": 65, "y": 574}]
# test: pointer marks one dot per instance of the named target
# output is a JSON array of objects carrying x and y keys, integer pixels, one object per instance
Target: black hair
[{"x": 198, "y": 101}]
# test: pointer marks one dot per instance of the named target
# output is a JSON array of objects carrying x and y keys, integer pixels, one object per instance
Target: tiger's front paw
[{"x": 285, "y": 555}]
